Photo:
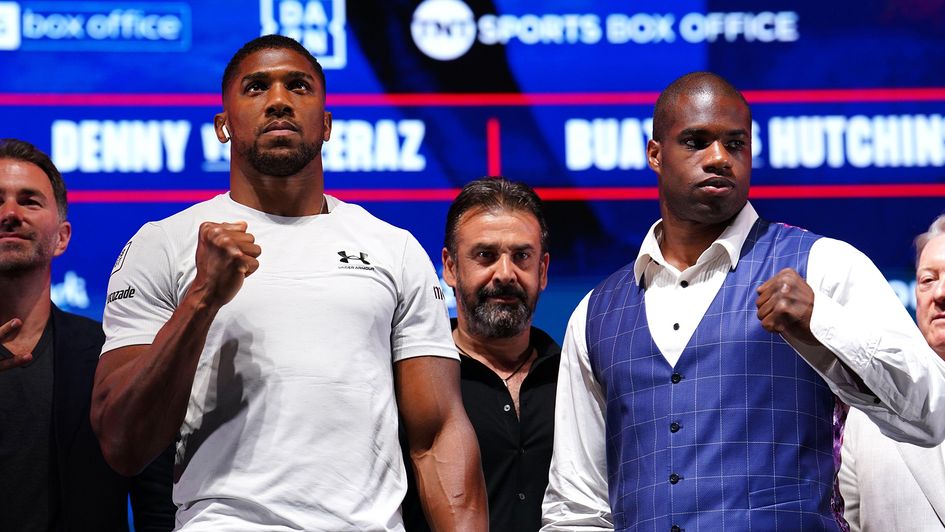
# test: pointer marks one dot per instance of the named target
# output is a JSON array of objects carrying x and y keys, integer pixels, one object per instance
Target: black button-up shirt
[{"x": 516, "y": 452}]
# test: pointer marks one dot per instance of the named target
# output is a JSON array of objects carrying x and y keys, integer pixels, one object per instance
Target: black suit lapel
[{"x": 75, "y": 355}]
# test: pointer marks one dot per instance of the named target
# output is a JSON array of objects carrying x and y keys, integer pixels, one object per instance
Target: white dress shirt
[{"x": 857, "y": 318}]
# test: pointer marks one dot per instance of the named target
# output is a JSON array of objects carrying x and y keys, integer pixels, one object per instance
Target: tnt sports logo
[
  {"x": 94, "y": 26},
  {"x": 318, "y": 24},
  {"x": 443, "y": 29}
]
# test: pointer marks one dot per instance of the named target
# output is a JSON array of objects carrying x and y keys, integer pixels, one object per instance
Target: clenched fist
[
  {"x": 785, "y": 305},
  {"x": 226, "y": 255}
]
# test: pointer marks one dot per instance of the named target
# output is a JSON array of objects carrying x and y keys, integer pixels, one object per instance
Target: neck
[
  {"x": 684, "y": 242},
  {"x": 301, "y": 194},
  {"x": 26, "y": 297},
  {"x": 502, "y": 353}
]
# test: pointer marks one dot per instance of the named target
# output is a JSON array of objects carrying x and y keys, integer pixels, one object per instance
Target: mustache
[{"x": 501, "y": 291}]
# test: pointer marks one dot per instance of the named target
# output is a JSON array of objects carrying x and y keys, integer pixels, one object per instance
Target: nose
[
  {"x": 717, "y": 158},
  {"x": 938, "y": 293},
  {"x": 10, "y": 215},
  {"x": 278, "y": 104},
  {"x": 504, "y": 270}
]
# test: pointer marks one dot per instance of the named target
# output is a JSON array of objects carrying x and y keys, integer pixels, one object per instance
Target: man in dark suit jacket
[{"x": 53, "y": 474}]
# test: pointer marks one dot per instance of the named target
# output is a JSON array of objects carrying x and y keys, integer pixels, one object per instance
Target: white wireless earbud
[{"x": 226, "y": 133}]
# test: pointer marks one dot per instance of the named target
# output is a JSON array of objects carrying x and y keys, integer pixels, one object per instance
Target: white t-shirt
[{"x": 292, "y": 421}]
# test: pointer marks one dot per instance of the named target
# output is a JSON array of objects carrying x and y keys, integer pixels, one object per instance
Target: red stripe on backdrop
[
  {"x": 493, "y": 147},
  {"x": 546, "y": 193},
  {"x": 928, "y": 94}
]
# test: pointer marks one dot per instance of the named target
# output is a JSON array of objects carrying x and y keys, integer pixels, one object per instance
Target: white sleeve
[
  {"x": 141, "y": 295},
  {"x": 861, "y": 322},
  {"x": 421, "y": 324},
  {"x": 847, "y": 478},
  {"x": 576, "y": 498}
]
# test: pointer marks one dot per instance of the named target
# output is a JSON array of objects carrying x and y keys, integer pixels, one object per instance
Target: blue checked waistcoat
[{"x": 740, "y": 435}]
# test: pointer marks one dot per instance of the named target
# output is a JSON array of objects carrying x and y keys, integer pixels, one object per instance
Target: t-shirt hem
[
  {"x": 116, "y": 343},
  {"x": 425, "y": 352}
]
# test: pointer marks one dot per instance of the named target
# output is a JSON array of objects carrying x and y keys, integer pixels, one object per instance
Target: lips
[
  {"x": 280, "y": 125},
  {"x": 716, "y": 186},
  {"x": 716, "y": 182}
]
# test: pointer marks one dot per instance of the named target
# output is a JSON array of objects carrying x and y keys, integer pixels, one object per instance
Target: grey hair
[{"x": 936, "y": 229}]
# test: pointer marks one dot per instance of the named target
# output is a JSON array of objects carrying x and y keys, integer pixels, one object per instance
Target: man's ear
[
  {"x": 219, "y": 124},
  {"x": 654, "y": 155},
  {"x": 326, "y": 127},
  {"x": 449, "y": 269},
  {"x": 64, "y": 236},
  {"x": 543, "y": 270}
]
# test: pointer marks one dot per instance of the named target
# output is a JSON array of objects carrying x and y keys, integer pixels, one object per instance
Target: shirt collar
[{"x": 731, "y": 241}]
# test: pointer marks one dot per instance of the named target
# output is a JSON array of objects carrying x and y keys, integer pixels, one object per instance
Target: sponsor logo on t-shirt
[
  {"x": 120, "y": 261},
  {"x": 361, "y": 257},
  {"x": 127, "y": 293}
]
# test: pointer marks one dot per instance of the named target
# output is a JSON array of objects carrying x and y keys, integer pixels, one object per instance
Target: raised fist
[
  {"x": 226, "y": 255},
  {"x": 785, "y": 305}
]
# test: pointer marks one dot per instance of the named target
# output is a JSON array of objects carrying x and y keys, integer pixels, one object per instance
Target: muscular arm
[
  {"x": 443, "y": 445},
  {"x": 141, "y": 392}
]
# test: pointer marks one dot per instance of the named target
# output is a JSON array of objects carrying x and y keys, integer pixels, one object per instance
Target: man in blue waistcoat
[{"x": 704, "y": 386}]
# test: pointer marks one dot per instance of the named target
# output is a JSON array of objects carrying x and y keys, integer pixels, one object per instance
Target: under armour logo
[{"x": 362, "y": 256}]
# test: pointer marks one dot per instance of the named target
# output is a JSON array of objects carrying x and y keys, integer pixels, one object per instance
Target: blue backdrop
[{"x": 849, "y": 139}]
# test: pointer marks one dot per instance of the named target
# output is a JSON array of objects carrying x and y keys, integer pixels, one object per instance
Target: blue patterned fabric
[{"x": 740, "y": 435}]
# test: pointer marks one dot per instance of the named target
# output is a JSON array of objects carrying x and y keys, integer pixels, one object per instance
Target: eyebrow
[
  {"x": 30, "y": 192},
  {"x": 703, "y": 131},
  {"x": 264, "y": 76},
  {"x": 488, "y": 245}
]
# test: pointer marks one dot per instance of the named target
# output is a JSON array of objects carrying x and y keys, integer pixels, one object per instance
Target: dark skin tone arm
[
  {"x": 785, "y": 305},
  {"x": 141, "y": 392},
  {"x": 443, "y": 444}
]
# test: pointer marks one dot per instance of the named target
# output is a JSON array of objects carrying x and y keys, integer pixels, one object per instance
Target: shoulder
[
  {"x": 195, "y": 214},
  {"x": 77, "y": 328},
  {"x": 619, "y": 279},
  {"x": 352, "y": 213},
  {"x": 544, "y": 343}
]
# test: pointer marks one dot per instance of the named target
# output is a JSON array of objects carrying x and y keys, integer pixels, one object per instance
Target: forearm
[
  {"x": 450, "y": 481},
  {"x": 905, "y": 380},
  {"x": 140, "y": 396}
]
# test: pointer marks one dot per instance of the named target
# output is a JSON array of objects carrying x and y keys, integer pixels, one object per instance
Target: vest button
[
  {"x": 674, "y": 478},
  {"x": 676, "y": 378},
  {"x": 674, "y": 427},
  {"x": 675, "y": 529},
  {"x": 675, "y": 326}
]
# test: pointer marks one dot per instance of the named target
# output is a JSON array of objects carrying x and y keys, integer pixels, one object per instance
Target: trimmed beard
[
  {"x": 281, "y": 163},
  {"x": 39, "y": 254},
  {"x": 497, "y": 320}
]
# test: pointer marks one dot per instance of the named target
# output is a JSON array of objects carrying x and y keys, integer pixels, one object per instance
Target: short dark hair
[
  {"x": 269, "y": 42},
  {"x": 21, "y": 150},
  {"x": 694, "y": 82},
  {"x": 494, "y": 193}
]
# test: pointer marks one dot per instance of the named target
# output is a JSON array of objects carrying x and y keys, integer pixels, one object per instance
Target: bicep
[{"x": 428, "y": 395}]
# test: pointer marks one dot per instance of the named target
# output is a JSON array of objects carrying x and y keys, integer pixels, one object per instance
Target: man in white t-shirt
[{"x": 276, "y": 332}]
